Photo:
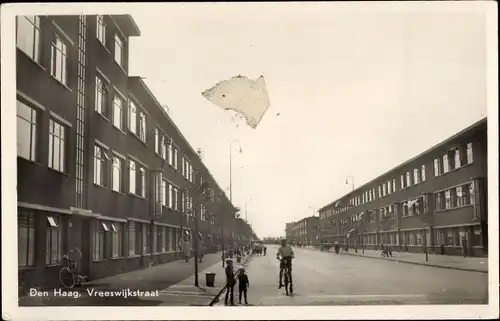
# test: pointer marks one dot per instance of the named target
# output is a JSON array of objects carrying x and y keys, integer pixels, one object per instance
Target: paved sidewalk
[
  {"x": 158, "y": 277},
  {"x": 473, "y": 264},
  {"x": 173, "y": 295}
]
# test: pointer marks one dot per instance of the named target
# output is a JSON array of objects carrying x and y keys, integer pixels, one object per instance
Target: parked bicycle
[{"x": 69, "y": 275}]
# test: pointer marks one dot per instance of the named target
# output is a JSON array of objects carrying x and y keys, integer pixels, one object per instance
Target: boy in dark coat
[
  {"x": 243, "y": 284},
  {"x": 230, "y": 281}
]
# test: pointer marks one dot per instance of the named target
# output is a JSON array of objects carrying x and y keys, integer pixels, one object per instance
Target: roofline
[
  {"x": 143, "y": 84},
  {"x": 134, "y": 25},
  {"x": 303, "y": 219},
  {"x": 429, "y": 150}
]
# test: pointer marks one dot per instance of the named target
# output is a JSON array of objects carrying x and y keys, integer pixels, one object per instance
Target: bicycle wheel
[
  {"x": 67, "y": 278},
  {"x": 286, "y": 281}
]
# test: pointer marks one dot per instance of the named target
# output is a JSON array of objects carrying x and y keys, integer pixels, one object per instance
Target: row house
[
  {"x": 305, "y": 231},
  {"x": 101, "y": 168},
  {"x": 436, "y": 201}
]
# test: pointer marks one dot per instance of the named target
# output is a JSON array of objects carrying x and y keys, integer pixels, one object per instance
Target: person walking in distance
[
  {"x": 243, "y": 283},
  {"x": 230, "y": 281}
]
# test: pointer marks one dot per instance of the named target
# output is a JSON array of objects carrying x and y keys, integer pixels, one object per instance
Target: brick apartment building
[
  {"x": 305, "y": 231},
  {"x": 435, "y": 201},
  {"x": 101, "y": 166}
]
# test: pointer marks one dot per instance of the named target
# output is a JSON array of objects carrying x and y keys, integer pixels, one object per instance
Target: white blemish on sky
[
  {"x": 354, "y": 91},
  {"x": 245, "y": 96}
]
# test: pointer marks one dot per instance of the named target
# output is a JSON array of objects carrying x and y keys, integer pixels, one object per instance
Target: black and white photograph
[{"x": 299, "y": 160}]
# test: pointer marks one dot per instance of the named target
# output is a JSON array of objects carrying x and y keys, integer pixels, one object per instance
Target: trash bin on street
[{"x": 210, "y": 279}]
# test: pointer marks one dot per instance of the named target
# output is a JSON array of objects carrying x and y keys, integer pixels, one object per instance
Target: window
[
  {"x": 59, "y": 60},
  {"x": 161, "y": 239},
  {"x": 170, "y": 240},
  {"x": 143, "y": 181},
  {"x": 100, "y": 158},
  {"x": 402, "y": 181},
  {"x": 471, "y": 193},
  {"x": 163, "y": 148},
  {"x": 438, "y": 199},
  {"x": 379, "y": 192},
  {"x": 175, "y": 158},
  {"x": 470, "y": 154},
  {"x": 145, "y": 239},
  {"x": 408, "y": 179},
  {"x": 461, "y": 199},
  {"x": 437, "y": 167},
  {"x": 132, "y": 174},
  {"x": 157, "y": 141},
  {"x": 446, "y": 164},
  {"x": 142, "y": 125},
  {"x": 384, "y": 189},
  {"x": 170, "y": 153},
  {"x": 118, "y": 112},
  {"x": 416, "y": 176},
  {"x": 101, "y": 96},
  {"x": 101, "y": 29},
  {"x": 457, "y": 159},
  {"x": 117, "y": 174},
  {"x": 170, "y": 196},
  {"x": 176, "y": 201},
  {"x": 57, "y": 147},
  {"x": 132, "y": 116},
  {"x": 28, "y": 36},
  {"x": 26, "y": 237},
  {"x": 203, "y": 213},
  {"x": 422, "y": 173},
  {"x": 131, "y": 238},
  {"x": 393, "y": 184},
  {"x": 117, "y": 240},
  {"x": 99, "y": 245},
  {"x": 139, "y": 231},
  {"x": 26, "y": 131},
  {"x": 447, "y": 197},
  {"x": 163, "y": 192},
  {"x": 53, "y": 254},
  {"x": 119, "y": 51},
  {"x": 389, "y": 187}
]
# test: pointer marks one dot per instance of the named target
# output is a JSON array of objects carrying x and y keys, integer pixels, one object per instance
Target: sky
[{"x": 352, "y": 93}]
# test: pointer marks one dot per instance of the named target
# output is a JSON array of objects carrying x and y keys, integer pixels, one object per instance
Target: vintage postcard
[{"x": 300, "y": 160}]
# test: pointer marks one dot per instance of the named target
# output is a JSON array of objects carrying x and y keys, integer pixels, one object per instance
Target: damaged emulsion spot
[{"x": 244, "y": 96}]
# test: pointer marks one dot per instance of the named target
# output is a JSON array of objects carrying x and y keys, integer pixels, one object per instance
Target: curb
[
  {"x": 417, "y": 263},
  {"x": 217, "y": 296}
]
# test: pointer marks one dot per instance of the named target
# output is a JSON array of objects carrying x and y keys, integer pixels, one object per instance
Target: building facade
[
  {"x": 101, "y": 166},
  {"x": 435, "y": 202},
  {"x": 305, "y": 231}
]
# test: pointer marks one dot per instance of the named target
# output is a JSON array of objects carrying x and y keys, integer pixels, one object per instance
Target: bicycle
[
  {"x": 69, "y": 275},
  {"x": 287, "y": 278},
  {"x": 384, "y": 254}
]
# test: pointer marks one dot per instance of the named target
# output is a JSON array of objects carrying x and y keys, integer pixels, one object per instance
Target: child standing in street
[
  {"x": 243, "y": 284},
  {"x": 230, "y": 282}
]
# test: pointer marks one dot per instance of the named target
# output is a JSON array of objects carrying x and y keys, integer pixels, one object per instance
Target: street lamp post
[{"x": 231, "y": 173}]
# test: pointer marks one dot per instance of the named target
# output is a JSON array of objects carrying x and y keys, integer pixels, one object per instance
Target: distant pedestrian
[
  {"x": 186, "y": 246},
  {"x": 230, "y": 281},
  {"x": 243, "y": 283}
]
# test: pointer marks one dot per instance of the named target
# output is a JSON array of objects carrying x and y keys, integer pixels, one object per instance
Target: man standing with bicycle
[{"x": 285, "y": 254}]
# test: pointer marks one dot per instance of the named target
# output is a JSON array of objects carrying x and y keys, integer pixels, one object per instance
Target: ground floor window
[
  {"x": 99, "y": 240},
  {"x": 117, "y": 239},
  {"x": 145, "y": 238},
  {"x": 131, "y": 238},
  {"x": 161, "y": 239},
  {"x": 53, "y": 248},
  {"x": 138, "y": 238},
  {"x": 475, "y": 236},
  {"x": 26, "y": 237},
  {"x": 171, "y": 240}
]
